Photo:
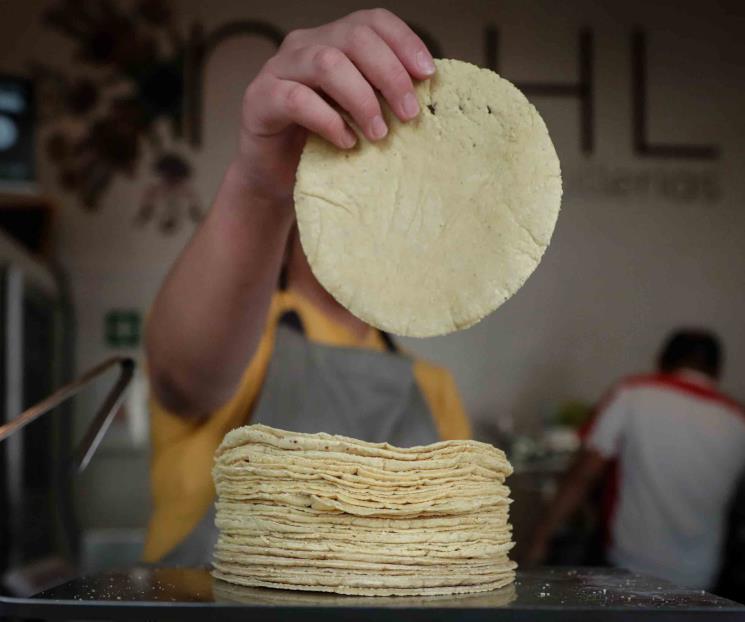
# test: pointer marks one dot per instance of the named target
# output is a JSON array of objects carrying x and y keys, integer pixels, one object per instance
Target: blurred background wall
[{"x": 644, "y": 242}]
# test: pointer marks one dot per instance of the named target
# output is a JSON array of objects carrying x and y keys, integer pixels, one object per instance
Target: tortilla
[
  {"x": 507, "y": 579},
  {"x": 228, "y": 592},
  {"x": 434, "y": 227},
  {"x": 330, "y": 513}
]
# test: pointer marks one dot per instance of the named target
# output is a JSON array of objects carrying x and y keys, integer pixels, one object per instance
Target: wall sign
[
  {"x": 122, "y": 328},
  {"x": 140, "y": 46}
]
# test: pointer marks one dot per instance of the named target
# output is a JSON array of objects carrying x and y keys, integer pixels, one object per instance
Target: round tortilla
[
  {"x": 434, "y": 227},
  {"x": 229, "y": 592}
]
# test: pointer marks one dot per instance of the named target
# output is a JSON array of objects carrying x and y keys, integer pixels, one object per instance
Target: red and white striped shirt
[{"x": 680, "y": 447}]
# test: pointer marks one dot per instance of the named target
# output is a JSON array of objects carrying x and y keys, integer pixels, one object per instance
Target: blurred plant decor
[
  {"x": 136, "y": 88},
  {"x": 124, "y": 99},
  {"x": 573, "y": 414}
]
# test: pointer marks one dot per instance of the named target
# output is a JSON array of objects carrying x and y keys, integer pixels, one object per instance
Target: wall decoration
[
  {"x": 128, "y": 91},
  {"x": 171, "y": 198},
  {"x": 141, "y": 75}
]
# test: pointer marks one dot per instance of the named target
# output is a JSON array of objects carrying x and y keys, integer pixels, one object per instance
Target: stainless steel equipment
[
  {"x": 47, "y": 567},
  {"x": 35, "y": 351},
  {"x": 101, "y": 421}
]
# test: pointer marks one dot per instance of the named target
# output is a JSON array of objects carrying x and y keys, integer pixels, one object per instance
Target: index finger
[{"x": 404, "y": 42}]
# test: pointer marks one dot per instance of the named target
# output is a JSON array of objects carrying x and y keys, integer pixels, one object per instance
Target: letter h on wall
[{"x": 582, "y": 89}]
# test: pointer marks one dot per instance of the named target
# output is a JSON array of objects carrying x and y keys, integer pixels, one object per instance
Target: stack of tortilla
[{"x": 334, "y": 514}]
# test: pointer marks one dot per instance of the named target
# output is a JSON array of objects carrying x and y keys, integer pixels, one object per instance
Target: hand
[{"x": 346, "y": 61}]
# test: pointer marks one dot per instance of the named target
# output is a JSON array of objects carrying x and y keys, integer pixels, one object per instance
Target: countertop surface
[{"x": 544, "y": 594}]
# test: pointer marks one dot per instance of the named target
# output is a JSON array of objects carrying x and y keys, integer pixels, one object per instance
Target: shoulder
[
  {"x": 641, "y": 380},
  {"x": 612, "y": 405},
  {"x": 632, "y": 383},
  {"x": 676, "y": 384},
  {"x": 620, "y": 389}
]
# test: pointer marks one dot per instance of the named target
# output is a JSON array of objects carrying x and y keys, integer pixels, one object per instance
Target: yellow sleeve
[
  {"x": 183, "y": 449},
  {"x": 441, "y": 394}
]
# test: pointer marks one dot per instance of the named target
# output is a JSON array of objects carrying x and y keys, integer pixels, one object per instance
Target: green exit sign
[{"x": 122, "y": 328}]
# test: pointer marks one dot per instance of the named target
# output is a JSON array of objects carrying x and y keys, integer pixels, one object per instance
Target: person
[
  {"x": 680, "y": 448},
  {"x": 224, "y": 348}
]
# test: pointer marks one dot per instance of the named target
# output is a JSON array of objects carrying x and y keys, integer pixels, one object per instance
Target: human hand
[{"x": 342, "y": 63}]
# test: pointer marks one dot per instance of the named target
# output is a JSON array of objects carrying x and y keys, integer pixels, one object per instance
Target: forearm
[
  {"x": 208, "y": 317},
  {"x": 564, "y": 505},
  {"x": 572, "y": 492}
]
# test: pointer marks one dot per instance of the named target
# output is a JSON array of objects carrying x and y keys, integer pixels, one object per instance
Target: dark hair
[{"x": 693, "y": 349}]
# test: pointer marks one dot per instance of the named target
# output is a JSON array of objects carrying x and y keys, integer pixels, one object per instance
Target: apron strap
[{"x": 291, "y": 319}]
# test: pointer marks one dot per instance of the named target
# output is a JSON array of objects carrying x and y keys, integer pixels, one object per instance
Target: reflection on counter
[
  {"x": 591, "y": 589},
  {"x": 227, "y": 592}
]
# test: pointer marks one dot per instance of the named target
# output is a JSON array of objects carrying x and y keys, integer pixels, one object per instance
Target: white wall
[{"x": 625, "y": 266}]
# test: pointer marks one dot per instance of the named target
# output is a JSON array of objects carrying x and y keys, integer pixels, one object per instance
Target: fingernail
[
  {"x": 425, "y": 63},
  {"x": 348, "y": 139},
  {"x": 410, "y": 105},
  {"x": 378, "y": 128}
]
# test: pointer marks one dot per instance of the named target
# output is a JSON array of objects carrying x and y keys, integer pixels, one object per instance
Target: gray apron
[{"x": 372, "y": 396}]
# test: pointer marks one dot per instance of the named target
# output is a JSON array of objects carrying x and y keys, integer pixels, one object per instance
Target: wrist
[{"x": 257, "y": 198}]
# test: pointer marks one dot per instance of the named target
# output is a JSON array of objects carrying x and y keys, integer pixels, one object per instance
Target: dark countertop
[{"x": 557, "y": 594}]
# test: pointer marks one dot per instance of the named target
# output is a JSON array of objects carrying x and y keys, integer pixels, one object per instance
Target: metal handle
[{"x": 104, "y": 416}]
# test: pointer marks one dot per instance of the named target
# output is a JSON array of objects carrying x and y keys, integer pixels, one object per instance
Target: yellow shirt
[{"x": 183, "y": 449}]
